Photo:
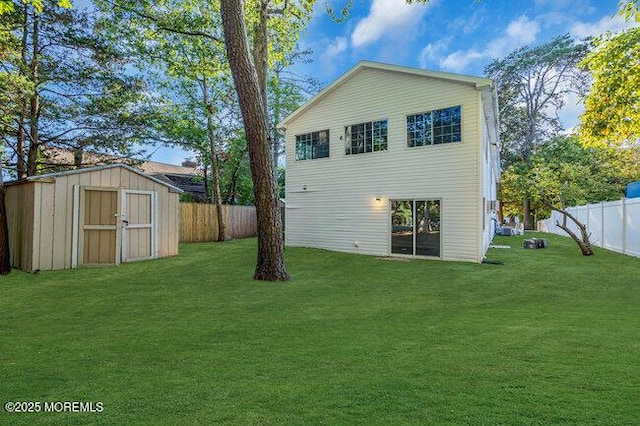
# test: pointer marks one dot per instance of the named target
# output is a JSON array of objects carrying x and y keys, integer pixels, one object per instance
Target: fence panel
[
  {"x": 199, "y": 222},
  {"x": 595, "y": 223},
  {"x": 632, "y": 226},
  {"x": 614, "y": 225}
]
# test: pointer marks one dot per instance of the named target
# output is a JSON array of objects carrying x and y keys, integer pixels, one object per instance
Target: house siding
[{"x": 338, "y": 210}]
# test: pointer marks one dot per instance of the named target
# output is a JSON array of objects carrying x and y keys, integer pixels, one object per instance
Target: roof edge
[
  {"x": 477, "y": 82},
  {"x": 97, "y": 168}
]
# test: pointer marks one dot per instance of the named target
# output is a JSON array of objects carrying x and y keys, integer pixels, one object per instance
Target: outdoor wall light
[
  {"x": 304, "y": 187},
  {"x": 378, "y": 198}
]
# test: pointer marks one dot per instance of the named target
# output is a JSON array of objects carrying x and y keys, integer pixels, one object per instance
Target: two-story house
[{"x": 394, "y": 161}]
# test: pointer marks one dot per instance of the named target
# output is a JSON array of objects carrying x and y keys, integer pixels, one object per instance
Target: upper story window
[
  {"x": 434, "y": 127},
  {"x": 365, "y": 137},
  {"x": 312, "y": 145}
]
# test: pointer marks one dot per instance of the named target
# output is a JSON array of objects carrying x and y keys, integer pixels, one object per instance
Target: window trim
[
  {"x": 373, "y": 144},
  {"x": 406, "y": 118}
]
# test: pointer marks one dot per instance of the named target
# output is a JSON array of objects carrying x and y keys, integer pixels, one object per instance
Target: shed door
[
  {"x": 139, "y": 233},
  {"x": 98, "y": 226}
]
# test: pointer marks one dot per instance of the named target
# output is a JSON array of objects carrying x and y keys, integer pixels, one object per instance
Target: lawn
[{"x": 549, "y": 337}]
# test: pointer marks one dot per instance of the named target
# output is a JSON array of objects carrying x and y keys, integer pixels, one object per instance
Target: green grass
[{"x": 550, "y": 337}]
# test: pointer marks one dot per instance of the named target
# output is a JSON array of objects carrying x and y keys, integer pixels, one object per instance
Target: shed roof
[
  {"x": 97, "y": 168},
  {"x": 477, "y": 82}
]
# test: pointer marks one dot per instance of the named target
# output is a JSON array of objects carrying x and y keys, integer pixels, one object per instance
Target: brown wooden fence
[{"x": 199, "y": 222}]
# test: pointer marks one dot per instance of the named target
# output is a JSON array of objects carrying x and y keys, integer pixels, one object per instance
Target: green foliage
[
  {"x": 8, "y": 6},
  {"x": 547, "y": 338},
  {"x": 87, "y": 97},
  {"x": 629, "y": 9},
  {"x": 565, "y": 173},
  {"x": 282, "y": 179},
  {"x": 611, "y": 115}
]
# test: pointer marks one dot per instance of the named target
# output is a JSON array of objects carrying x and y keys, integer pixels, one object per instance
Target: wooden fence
[{"x": 199, "y": 222}]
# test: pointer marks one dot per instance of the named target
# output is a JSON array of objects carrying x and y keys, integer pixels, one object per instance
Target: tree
[
  {"x": 81, "y": 96},
  {"x": 611, "y": 115},
  {"x": 250, "y": 82},
  {"x": 565, "y": 173},
  {"x": 533, "y": 83}
]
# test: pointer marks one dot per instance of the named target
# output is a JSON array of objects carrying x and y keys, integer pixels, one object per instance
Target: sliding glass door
[{"x": 415, "y": 227}]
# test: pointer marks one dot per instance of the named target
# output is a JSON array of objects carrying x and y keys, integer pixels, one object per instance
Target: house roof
[
  {"x": 477, "y": 82},
  {"x": 96, "y": 168},
  {"x": 64, "y": 157}
]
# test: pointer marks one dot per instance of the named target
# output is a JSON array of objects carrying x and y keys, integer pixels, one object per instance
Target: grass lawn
[{"x": 550, "y": 337}]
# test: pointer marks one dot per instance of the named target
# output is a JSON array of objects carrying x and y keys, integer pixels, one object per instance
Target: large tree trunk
[
  {"x": 215, "y": 171},
  {"x": 270, "y": 263}
]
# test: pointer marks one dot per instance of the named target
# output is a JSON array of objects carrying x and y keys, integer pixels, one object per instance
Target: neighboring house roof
[
  {"x": 185, "y": 182},
  {"x": 153, "y": 167},
  {"x": 96, "y": 168},
  {"x": 478, "y": 82},
  {"x": 64, "y": 157}
]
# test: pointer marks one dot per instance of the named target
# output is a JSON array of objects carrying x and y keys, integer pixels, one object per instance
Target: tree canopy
[{"x": 612, "y": 116}]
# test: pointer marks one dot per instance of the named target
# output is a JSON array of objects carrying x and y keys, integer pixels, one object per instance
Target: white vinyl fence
[{"x": 614, "y": 225}]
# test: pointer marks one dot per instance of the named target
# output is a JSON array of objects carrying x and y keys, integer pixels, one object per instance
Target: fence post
[
  {"x": 602, "y": 224},
  {"x": 624, "y": 226}
]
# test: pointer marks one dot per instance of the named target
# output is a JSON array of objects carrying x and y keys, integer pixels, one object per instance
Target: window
[
  {"x": 365, "y": 137},
  {"x": 434, "y": 127},
  {"x": 312, "y": 145}
]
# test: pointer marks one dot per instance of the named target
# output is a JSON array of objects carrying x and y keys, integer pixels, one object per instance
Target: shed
[{"x": 96, "y": 216}]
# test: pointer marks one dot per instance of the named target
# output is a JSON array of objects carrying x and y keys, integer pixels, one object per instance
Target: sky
[{"x": 459, "y": 36}]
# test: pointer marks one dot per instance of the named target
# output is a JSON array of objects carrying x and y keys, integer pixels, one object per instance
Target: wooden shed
[{"x": 95, "y": 216}]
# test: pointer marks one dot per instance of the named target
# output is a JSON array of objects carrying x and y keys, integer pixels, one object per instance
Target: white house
[{"x": 394, "y": 161}]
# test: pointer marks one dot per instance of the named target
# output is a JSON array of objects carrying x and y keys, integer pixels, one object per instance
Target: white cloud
[
  {"x": 459, "y": 60},
  {"x": 583, "y": 29},
  {"x": 519, "y": 32},
  {"x": 432, "y": 52},
  {"x": 336, "y": 47},
  {"x": 523, "y": 30},
  {"x": 385, "y": 17},
  {"x": 467, "y": 24}
]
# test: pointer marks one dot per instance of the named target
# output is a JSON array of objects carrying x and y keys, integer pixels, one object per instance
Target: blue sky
[{"x": 460, "y": 36}]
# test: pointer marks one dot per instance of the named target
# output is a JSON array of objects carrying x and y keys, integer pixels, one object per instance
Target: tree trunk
[
  {"x": 5, "y": 261},
  {"x": 215, "y": 171},
  {"x": 34, "y": 111},
  {"x": 21, "y": 166},
  {"x": 205, "y": 175},
  {"x": 270, "y": 263},
  {"x": 526, "y": 214},
  {"x": 233, "y": 184},
  {"x": 78, "y": 155},
  {"x": 277, "y": 142},
  {"x": 582, "y": 241}
]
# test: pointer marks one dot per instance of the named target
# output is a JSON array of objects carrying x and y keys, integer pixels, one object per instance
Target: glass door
[
  {"x": 428, "y": 228},
  {"x": 402, "y": 227},
  {"x": 415, "y": 227}
]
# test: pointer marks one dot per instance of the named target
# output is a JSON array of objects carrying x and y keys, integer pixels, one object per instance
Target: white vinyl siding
[{"x": 332, "y": 204}]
